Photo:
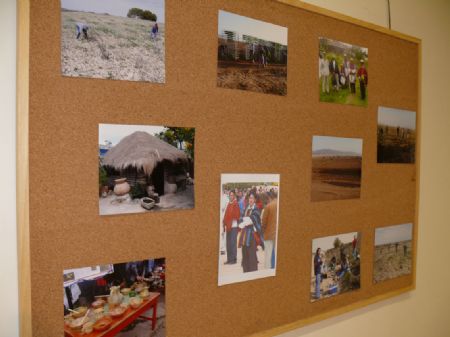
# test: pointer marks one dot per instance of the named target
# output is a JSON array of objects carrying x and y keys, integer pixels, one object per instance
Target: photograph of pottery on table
[
  {"x": 248, "y": 226},
  {"x": 145, "y": 168},
  {"x": 114, "y": 39},
  {"x": 122, "y": 299},
  {"x": 252, "y": 55},
  {"x": 335, "y": 268}
]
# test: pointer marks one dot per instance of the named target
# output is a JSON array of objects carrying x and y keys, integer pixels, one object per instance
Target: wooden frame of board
[{"x": 25, "y": 247}]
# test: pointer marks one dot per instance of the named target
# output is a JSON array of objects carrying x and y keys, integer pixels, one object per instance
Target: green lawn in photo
[{"x": 343, "y": 95}]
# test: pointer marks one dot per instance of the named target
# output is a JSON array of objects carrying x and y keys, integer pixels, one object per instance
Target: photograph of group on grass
[
  {"x": 343, "y": 72},
  {"x": 252, "y": 55},
  {"x": 114, "y": 39},
  {"x": 248, "y": 226},
  {"x": 396, "y": 136},
  {"x": 336, "y": 264}
]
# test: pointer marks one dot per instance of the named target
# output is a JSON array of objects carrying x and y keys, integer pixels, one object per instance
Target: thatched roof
[{"x": 142, "y": 151}]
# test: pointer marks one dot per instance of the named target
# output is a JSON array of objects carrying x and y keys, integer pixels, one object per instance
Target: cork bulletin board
[{"x": 237, "y": 131}]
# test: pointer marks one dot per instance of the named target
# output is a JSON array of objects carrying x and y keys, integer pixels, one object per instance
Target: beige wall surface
[{"x": 423, "y": 312}]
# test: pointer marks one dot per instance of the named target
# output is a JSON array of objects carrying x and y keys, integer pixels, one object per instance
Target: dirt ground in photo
[
  {"x": 335, "y": 178},
  {"x": 271, "y": 79},
  {"x": 117, "y": 48},
  {"x": 176, "y": 201},
  {"x": 142, "y": 327},
  {"x": 396, "y": 145},
  {"x": 392, "y": 260}
]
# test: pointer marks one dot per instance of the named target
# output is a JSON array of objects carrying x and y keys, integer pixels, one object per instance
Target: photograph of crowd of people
[
  {"x": 122, "y": 299},
  {"x": 248, "y": 226},
  {"x": 393, "y": 252},
  {"x": 343, "y": 72},
  {"x": 145, "y": 168},
  {"x": 114, "y": 39},
  {"x": 396, "y": 136},
  {"x": 336, "y": 168},
  {"x": 335, "y": 265},
  {"x": 252, "y": 55}
]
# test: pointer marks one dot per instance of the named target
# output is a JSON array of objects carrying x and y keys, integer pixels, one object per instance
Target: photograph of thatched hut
[{"x": 145, "y": 168}]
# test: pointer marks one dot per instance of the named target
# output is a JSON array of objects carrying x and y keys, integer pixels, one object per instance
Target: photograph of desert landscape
[
  {"x": 114, "y": 39},
  {"x": 393, "y": 252},
  {"x": 252, "y": 55},
  {"x": 396, "y": 136},
  {"x": 336, "y": 168},
  {"x": 343, "y": 72},
  {"x": 336, "y": 264},
  {"x": 145, "y": 168}
]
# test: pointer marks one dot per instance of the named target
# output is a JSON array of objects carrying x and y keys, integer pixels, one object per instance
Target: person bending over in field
[
  {"x": 154, "y": 31},
  {"x": 82, "y": 28}
]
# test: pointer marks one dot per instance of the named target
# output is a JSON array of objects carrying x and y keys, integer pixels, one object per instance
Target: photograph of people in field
[
  {"x": 114, "y": 39},
  {"x": 396, "y": 136},
  {"x": 248, "y": 227},
  {"x": 393, "y": 252},
  {"x": 252, "y": 55},
  {"x": 336, "y": 168},
  {"x": 343, "y": 72},
  {"x": 336, "y": 264}
]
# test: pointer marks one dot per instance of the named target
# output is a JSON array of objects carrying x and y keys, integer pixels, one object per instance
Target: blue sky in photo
[
  {"x": 397, "y": 117},
  {"x": 115, "y": 7},
  {"x": 337, "y": 144},
  {"x": 256, "y": 28}
]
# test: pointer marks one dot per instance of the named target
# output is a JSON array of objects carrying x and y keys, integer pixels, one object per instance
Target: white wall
[
  {"x": 9, "y": 325},
  {"x": 424, "y": 312}
]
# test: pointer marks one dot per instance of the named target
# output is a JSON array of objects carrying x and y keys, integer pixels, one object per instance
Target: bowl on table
[
  {"x": 135, "y": 302},
  {"x": 77, "y": 323},
  {"x": 117, "y": 311},
  {"x": 79, "y": 312},
  {"x": 144, "y": 294},
  {"x": 98, "y": 304},
  {"x": 102, "y": 324}
]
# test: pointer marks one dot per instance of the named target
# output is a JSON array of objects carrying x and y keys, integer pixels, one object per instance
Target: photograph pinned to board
[
  {"x": 343, "y": 72},
  {"x": 396, "y": 136},
  {"x": 114, "y": 39},
  {"x": 393, "y": 252},
  {"x": 252, "y": 55},
  {"x": 248, "y": 226},
  {"x": 336, "y": 264},
  {"x": 336, "y": 168},
  {"x": 145, "y": 168},
  {"x": 98, "y": 299}
]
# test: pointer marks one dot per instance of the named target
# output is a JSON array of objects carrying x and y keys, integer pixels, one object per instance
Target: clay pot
[{"x": 121, "y": 187}]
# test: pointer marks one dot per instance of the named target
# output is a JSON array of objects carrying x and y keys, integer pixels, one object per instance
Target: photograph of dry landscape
[
  {"x": 114, "y": 39},
  {"x": 145, "y": 168},
  {"x": 396, "y": 136},
  {"x": 252, "y": 55},
  {"x": 336, "y": 264},
  {"x": 393, "y": 252},
  {"x": 336, "y": 168}
]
